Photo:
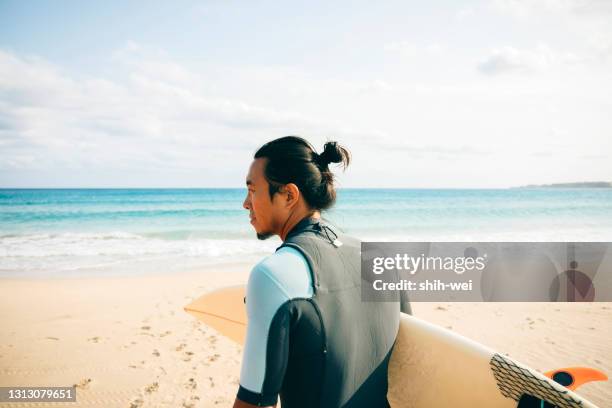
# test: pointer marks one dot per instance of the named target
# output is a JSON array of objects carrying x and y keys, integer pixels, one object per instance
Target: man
[{"x": 310, "y": 338}]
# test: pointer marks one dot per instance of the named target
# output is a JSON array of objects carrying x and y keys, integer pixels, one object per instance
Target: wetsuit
[{"x": 310, "y": 338}]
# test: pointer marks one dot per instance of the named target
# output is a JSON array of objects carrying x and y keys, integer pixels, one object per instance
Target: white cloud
[
  {"x": 542, "y": 58},
  {"x": 529, "y": 8},
  {"x": 509, "y": 59},
  {"x": 152, "y": 120},
  {"x": 155, "y": 115},
  {"x": 57, "y": 119}
]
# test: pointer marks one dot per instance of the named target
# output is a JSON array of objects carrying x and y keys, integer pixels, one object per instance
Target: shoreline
[{"x": 131, "y": 338}]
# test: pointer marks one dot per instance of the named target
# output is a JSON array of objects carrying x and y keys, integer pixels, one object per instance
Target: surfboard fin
[{"x": 574, "y": 377}]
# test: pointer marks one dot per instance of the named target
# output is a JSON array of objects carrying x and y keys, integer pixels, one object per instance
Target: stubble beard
[{"x": 264, "y": 235}]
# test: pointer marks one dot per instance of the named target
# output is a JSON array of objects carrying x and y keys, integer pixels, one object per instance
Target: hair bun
[{"x": 331, "y": 154}]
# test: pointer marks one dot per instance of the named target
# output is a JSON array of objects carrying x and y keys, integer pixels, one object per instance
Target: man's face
[{"x": 266, "y": 214}]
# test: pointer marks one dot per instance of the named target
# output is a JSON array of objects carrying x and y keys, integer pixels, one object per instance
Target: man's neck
[{"x": 294, "y": 219}]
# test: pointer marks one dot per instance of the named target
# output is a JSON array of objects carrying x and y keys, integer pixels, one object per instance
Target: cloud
[
  {"x": 512, "y": 60},
  {"x": 151, "y": 120},
  {"x": 509, "y": 59},
  {"x": 152, "y": 115},
  {"x": 529, "y": 8},
  {"x": 49, "y": 118}
]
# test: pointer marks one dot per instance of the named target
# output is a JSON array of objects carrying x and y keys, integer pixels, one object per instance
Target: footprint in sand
[
  {"x": 180, "y": 347},
  {"x": 94, "y": 339},
  {"x": 136, "y": 403},
  {"x": 191, "y": 384},
  {"x": 49, "y": 337},
  {"x": 190, "y": 404},
  {"x": 164, "y": 334},
  {"x": 155, "y": 353},
  {"x": 188, "y": 355},
  {"x": 83, "y": 384},
  {"x": 441, "y": 308},
  {"x": 146, "y": 331},
  {"x": 142, "y": 363},
  {"x": 151, "y": 388},
  {"x": 214, "y": 357}
]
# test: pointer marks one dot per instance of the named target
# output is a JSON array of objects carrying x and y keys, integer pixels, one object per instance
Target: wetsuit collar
[
  {"x": 316, "y": 225},
  {"x": 306, "y": 223}
]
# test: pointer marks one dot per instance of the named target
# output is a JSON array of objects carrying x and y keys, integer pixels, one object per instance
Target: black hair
[{"x": 291, "y": 159}]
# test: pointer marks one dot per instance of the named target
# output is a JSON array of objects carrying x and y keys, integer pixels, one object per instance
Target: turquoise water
[{"x": 80, "y": 231}]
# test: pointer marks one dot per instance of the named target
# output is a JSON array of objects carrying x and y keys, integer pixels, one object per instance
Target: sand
[{"x": 126, "y": 341}]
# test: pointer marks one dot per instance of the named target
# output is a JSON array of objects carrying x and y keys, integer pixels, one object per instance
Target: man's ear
[{"x": 293, "y": 194}]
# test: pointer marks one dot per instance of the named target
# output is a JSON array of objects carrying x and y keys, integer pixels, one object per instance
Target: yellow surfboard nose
[{"x": 574, "y": 377}]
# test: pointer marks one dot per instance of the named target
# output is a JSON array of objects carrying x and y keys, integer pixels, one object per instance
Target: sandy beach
[{"x": 126, "y": 341}]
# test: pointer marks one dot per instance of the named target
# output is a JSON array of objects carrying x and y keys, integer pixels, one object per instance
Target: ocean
[{"x": 78, "y": 232}]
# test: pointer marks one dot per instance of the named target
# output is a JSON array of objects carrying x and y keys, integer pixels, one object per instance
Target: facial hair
[{"x": 264, "y": 235}]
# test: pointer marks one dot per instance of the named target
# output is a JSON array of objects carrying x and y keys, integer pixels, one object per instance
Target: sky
[{"x": 440, "y": 94}]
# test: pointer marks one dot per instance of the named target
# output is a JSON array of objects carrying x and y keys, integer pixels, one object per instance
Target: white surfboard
[{"x": 431, "y": 366}]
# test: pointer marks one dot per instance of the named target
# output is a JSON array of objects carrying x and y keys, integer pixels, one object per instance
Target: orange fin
[{"x": 574, "y": 377}]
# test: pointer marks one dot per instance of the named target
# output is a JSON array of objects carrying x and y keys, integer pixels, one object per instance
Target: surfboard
[{"x": 433, "y": 367}]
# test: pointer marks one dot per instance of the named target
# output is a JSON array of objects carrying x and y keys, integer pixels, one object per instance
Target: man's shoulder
[{"x": 286, "y": 270}]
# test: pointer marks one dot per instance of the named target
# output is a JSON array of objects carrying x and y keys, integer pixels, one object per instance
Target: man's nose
[{"x": 246, "y": 204}]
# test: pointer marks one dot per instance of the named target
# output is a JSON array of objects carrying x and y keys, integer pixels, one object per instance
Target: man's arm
[{"x": 266, "y": 348}]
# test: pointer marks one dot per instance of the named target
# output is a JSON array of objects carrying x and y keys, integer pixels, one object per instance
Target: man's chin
[{"x": 264, "y": 235}]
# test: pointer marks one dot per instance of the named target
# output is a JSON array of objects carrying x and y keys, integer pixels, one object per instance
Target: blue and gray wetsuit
[{"x": 310, "y": 338}]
